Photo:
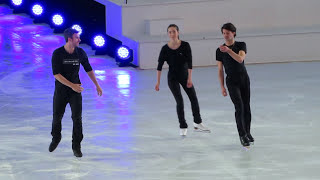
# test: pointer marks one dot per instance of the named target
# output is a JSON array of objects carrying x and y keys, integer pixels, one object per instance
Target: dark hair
[
  {"x": 68, "y": 33},
  {"x": 175, "y": 26},
  {"x": 229, "y": 27}
]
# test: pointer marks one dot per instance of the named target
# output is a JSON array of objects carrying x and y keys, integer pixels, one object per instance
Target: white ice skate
[
  {"x": 201, "y": 128},
  {"x": 183, "y": 132}
]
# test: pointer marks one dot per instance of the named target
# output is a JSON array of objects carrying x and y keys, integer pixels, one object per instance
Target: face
[
  {"x": 173, "y": 33},
  {"x": 75, "y": 39},
  {"x": 228, "y": 35}
]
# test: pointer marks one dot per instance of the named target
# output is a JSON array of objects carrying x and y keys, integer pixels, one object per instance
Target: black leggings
[
  {"x": 174, "y": 85},
  {"x": 239, "y": 91},
  {"x": 63, "y": 96}
]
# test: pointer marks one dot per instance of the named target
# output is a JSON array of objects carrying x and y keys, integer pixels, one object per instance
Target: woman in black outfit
[{"x": 178, "y": 55}]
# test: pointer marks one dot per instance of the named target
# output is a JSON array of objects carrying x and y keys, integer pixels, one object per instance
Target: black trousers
[
  {"x": 239, "y": 91},
  {"x": 174, "y": 83},
  {"x": 63, "y": 96}
]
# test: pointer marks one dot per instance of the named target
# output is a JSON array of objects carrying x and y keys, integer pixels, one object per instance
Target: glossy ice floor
[{"x": 131, "y": 132}]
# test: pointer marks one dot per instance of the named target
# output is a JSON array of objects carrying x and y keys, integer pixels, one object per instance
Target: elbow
[
  {"x": 241, "y": 59},
  {"x": 56, "y": 75},
  {"x": 159, "y": 68}
]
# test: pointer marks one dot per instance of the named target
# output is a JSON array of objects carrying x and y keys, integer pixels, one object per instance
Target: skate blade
[
  {"x": 200, "y": 130},
  {"x": 183, "y": 136},
  {"x": 247, "y": 148}
]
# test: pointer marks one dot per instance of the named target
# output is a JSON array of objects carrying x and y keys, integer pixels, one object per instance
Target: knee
[
  {"x": 239, "y": 107},
  {"x": 77, "y": 119},
  {"x": 180, "y": 105},
  {"x": 194, "y": 99},
  {"x": 179, "y": 100},
  {"x": 247, "y": 106},
  {"x": 247, "y": 109},
  {"x": 57, "y": 116}
]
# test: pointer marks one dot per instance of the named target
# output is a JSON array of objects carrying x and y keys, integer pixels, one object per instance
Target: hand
[
  {"x": 189, "y": 84},
  {"x": 77, "y": 88},
  {"x": 157, "y": 87},
  {"x": 224, "y": 49},
  {"x": 99, "y": 90},
  {"x": 224, "y": 92}
]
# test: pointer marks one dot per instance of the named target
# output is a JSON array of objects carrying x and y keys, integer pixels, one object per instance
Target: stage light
[
  {"x": 124, "y": 56},
  {"x": 78, "y": 28},
  {"x": 17, "y": 2},
  {"x": 123, "y": 53},
  {"x": 99, "y": 41},
  {"x": 57, "y": 19},
  {"x": 37, "y": 9}
]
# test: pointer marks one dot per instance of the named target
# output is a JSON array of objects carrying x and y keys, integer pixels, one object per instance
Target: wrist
[{"x": 70, "y": 85}]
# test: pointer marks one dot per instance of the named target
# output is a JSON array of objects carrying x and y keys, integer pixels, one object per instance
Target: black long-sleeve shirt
[
  {"x": 232, "y": 67},
  {"x": 179, "y": 60},
  {"x": 68, "y": 65}
]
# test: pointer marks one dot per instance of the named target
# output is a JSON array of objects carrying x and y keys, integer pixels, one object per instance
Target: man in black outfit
[
  {"x": 66, "y": 62},
  {"x": 231, "y": 56}
]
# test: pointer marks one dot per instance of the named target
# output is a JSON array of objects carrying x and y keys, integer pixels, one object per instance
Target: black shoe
[
  {"x": 77, "y": 152},
  {"x": 54, "y": 144},
  {"x": 244, "y": 141},
  {"x": 251, "y": 139}
]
